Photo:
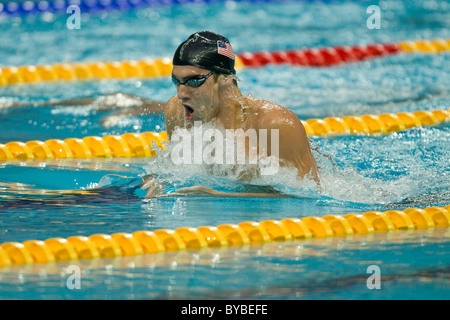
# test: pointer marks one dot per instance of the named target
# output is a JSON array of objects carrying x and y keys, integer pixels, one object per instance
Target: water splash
[
  {"x": 354, "y": 169},
  {"x": 393, "y": 169},
  {"x": 225, "y": 175}
]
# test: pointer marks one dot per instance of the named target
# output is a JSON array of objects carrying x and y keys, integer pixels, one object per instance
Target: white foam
[{"x": 224, "y": 175}]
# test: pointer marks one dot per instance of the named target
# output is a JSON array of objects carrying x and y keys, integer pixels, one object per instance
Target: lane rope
[
  {"x": 21, "y": 7},
  {"x": 245, "y": 233},
  {"x": 111, "y": 146},
  {"x": 142, "y": 144},
  {"x": 151, "y": 68},
  {"x": 16, "y": 8},
  {"x": 133, "y": 144}
]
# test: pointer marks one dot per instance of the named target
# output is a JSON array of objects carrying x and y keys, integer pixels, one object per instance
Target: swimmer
[{"x": 207, "y": 91}]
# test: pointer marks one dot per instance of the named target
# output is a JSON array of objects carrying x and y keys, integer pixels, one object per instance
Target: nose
[{"x": 183, "y": 92}]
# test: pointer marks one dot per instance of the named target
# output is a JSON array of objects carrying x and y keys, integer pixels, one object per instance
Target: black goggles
[{"x": 193, "y": 82}]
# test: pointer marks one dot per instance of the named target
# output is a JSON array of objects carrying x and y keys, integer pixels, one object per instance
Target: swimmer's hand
[{"x": 152, "y": 186}]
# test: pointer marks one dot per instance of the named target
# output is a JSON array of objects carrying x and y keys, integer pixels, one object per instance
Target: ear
[{"x": 225, "y": 80}]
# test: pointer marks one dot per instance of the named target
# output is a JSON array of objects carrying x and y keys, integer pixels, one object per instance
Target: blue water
[
  {"x": 358, "y": 173},
  {"x": 313, "y": 269}
]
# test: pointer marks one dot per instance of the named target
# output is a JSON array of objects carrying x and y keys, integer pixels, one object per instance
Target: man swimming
[{"x": 207, "y": 92}]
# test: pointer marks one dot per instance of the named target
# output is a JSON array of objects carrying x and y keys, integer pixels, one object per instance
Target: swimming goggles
[{"x": 193, "y": 82}]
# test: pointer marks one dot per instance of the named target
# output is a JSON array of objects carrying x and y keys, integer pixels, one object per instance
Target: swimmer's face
[{"x": 200, "y": 103}]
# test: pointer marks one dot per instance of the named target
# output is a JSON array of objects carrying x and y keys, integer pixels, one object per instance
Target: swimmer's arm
[
  {"x": 104, "y": 103},
  {"x": 155, "y": 189},
  {"x": 209, "y": 192},
  {"x": 293, "y": 144},
  {"x": 199, "y": 191},
  {"x": 135, "y": 105},
  {"x": 141, "y": 107},
  {"x": 70, "y": 102},
  {"x": 150, "y": 107}
]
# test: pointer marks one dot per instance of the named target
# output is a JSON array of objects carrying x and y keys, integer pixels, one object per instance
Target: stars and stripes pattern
[{"x": 225, "y": 49}]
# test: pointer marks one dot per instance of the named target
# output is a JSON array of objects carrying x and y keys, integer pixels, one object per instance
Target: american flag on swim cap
[{"x": 225, "y": 49}]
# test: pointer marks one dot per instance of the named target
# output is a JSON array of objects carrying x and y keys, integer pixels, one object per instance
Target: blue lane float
[
  {"x": 60, "y": 6},
  {"x": 92, "y": 6}
]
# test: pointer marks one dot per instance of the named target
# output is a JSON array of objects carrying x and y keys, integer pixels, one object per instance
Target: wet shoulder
[
  {"x": 172, "y": 103},
  {"x": 267, "y": 114}
]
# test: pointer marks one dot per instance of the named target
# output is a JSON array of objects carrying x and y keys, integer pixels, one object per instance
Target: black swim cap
[{"x": 206, "y": 50}]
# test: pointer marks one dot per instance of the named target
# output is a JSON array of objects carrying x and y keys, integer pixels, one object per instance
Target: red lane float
[
  {"x": 321, "y": 57},
  {"x": 310, "y": 57}
]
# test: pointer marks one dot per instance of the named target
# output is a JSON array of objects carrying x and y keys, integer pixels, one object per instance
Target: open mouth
[{"x": 188, "y": 112}]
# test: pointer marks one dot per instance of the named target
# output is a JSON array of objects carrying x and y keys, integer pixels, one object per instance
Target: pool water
[
  {"x": 39, "y": 199},
  {"x": 333, "y": 268}
]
